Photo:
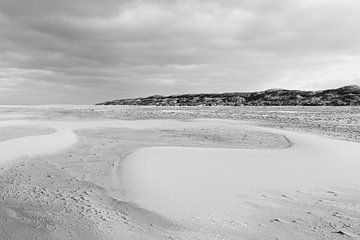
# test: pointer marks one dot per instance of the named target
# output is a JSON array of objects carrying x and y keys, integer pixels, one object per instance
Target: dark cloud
[{"x": 87, "y": 51}]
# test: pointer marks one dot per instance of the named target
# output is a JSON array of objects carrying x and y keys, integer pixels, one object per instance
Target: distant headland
[{"x": 344, "y": 96}]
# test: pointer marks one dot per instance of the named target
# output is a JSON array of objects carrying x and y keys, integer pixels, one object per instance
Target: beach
[{"x": 80, "y": 172}]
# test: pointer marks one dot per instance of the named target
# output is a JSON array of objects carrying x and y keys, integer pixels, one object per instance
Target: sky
[{"x": 89, "y": 51}]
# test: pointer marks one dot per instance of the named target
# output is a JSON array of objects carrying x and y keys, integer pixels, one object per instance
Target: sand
[
  {"x": 222, "y": 190},
  {"x": 76, "y": 178}
]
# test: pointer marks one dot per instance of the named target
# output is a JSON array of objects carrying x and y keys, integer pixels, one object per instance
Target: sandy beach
[
  {"x": 79, "y": 172},
  {"x": 179, "y": 120}
]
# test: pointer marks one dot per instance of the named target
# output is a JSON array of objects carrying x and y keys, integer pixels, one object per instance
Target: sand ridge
[{"x": 64, "y": 136}]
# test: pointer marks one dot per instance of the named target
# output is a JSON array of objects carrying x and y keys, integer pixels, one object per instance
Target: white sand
[
  {"x": 35, "y": 145},
  {"x": 208, "y": 188}
]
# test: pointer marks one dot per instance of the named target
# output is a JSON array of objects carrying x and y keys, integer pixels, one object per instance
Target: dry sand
[{"x": 73, "y": 178}]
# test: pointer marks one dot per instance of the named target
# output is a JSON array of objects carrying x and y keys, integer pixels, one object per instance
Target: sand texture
[{"x": 79, "y": 172}]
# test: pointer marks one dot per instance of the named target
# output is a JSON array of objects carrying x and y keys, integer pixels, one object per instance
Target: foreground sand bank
[
  {"x": 223, "y": 190},
  {"x": 114, "y": 182}
]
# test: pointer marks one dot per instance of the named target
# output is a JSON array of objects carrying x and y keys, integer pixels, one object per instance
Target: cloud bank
[{"x": 87, "y": 51}]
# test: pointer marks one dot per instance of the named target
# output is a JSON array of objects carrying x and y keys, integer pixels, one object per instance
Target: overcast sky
[{"x": 86, "y": 51}]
